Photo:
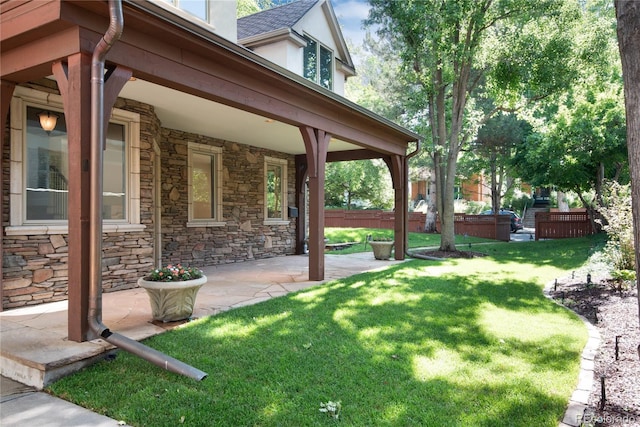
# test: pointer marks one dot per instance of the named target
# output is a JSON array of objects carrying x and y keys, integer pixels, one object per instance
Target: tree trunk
[
  {"x": 591, "y": 211},
  {"x": 495, "y": 186},
  {"x": 599, "y": 184},
  {"x": 563, "y": 205},
  {"x": 628, "y": 17},
  {"x": 447, "y": 216},
  {"x": 432, "y": 210}
]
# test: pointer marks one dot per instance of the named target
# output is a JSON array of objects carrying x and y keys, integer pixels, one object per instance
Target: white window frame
[
  {"x": 18, "y": 225},
  {"x": 174, "y": 7},
  {"x": 283, "y": 220},
  {"x": 216, "y": 153},
  {"x": 319, "y": 46}
]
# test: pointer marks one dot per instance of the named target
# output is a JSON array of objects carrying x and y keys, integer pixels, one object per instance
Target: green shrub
[{"x": 618, "y": 224}]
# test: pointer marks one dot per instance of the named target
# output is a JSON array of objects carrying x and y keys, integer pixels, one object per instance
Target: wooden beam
[{"x": 348, "y": 155}]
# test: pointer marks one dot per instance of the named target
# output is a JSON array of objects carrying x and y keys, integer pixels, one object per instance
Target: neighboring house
[
  {"x": 213, "y": 152},
  {"x": 474, "y": 189}
]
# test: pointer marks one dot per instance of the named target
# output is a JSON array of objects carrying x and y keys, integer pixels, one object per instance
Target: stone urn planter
[
  {"x": 381, "y": 249},
  {"x": 172, "y": 300}
]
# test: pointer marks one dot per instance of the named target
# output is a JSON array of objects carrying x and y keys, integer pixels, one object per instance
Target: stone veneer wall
[
  {"x": 244, "y": 236},
  {"x": 35, "y": 267}
]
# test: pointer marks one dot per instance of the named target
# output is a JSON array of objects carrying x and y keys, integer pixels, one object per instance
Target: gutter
[{"x": 116, "y": 25}]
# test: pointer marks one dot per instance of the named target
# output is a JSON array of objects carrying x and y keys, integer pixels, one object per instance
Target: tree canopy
[
  {"x": 358, "y": 183},
  {"x": 491, "y": 153},
  {"x": 584, "y": 143},
  {"x": 454, "y": 53}
]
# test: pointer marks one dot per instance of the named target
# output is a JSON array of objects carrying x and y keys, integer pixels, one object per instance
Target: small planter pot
[
  {"x": 381, "y": 250},
  {"x": 172, "y": 301}
]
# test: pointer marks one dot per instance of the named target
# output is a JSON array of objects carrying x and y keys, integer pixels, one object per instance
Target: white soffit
[{"x": 188, "y": 113}]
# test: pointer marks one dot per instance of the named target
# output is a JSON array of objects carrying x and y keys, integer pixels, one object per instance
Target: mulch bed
[{"x": 613, "y": 310}]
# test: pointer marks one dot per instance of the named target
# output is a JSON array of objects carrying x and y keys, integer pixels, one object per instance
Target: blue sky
[{"x": 350, "y": 14}]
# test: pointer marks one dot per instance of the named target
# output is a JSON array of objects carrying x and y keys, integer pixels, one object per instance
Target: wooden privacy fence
[
  {"x": 497, "y": 227},
  {"x": 488, "y": 226},
  {"x": 561, "y": 225},
  {"x": 370, "y": 219}
]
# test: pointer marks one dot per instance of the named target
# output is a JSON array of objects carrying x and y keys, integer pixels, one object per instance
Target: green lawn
[
  {"x": 466, "y": 342},
  {"x": 415, "y": 240}
]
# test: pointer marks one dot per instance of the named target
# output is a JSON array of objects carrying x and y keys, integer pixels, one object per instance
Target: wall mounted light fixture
[{"x": 48, "y": 121}]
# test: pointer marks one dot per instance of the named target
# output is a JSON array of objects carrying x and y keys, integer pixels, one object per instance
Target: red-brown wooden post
[
  {"x": 301, "y": 179},
  {"x": 6, "y": 92},
  {"x": 74, "y": 82},
  {"x": 316, "y": 144}
]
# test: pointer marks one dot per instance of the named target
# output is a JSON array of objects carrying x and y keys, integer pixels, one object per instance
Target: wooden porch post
[
  {"x": 398, "y": 168},
  {"x": 301, "y": 178},
  {"x": 316, "y": 143},
  {"x": 6, "y": 91},
  {"x": 74, "y": 83}
]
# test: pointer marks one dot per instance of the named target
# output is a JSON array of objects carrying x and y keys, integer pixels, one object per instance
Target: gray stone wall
[
  {"x": 35, "y": 267},
  {"x": 244, "y": 236}
]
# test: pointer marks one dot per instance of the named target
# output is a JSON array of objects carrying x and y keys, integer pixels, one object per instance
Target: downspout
[
  {"x": 112, "y": 35},
  {"x": 406, "y": 237}
]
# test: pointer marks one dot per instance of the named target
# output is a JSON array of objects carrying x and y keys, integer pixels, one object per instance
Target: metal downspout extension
[{"x": 112, "y": 35}]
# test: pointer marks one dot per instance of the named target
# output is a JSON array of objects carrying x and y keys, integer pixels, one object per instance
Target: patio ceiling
[{"x": 189, "y": 113}]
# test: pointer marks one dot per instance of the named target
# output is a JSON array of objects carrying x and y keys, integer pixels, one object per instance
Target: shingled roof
[{"x": 285, "y": 16}]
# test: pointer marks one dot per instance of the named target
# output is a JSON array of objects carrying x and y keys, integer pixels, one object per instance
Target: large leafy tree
[
  {"x": 584, "y": 143},
  {"x": 581, "y": 138},
  {"x": 519, "y": 50},
  {"x": 358, "y": 182},
  {"x": 628, "y": 19},
  {"x": 491, "y": 152}
]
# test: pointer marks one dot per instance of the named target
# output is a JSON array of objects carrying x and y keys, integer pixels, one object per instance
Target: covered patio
[
  {"x": 35, "y": 350},
  {"x": 191, "y": 77}
]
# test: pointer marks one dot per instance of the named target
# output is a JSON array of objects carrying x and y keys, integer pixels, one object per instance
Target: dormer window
[{"x": 318, "y": 63}]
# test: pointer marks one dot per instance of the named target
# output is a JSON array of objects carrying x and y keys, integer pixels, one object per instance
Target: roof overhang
[
  {"x": 280, "y": 34},
  {"x": 173, "y": 56}
]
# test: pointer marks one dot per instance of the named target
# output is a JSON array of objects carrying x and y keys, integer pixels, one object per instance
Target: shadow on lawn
[{"x": 396, "y": 347}]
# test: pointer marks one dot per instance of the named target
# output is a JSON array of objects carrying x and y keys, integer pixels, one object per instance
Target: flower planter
[
  {"x": 172, "y": 301},
  {"x": 381, "y": 250}
]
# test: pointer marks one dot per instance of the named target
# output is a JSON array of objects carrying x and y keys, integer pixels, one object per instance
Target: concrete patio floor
[{"x": 34, "y": 349}]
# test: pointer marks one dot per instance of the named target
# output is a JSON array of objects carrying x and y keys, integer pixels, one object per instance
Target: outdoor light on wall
[{"x": 48, "y": 121}]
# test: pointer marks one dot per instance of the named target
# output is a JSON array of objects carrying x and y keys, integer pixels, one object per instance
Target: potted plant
[
  {"x": 381, "y": 247},
  {"x": 172, "y": 291}
]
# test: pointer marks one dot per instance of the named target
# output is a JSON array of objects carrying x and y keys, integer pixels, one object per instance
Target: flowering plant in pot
[
  {"x": 174, "y": 273},
  {"x": 172, "y": 291}
]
